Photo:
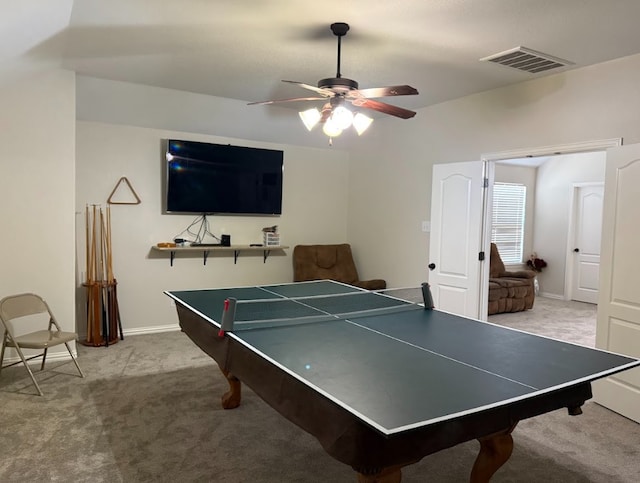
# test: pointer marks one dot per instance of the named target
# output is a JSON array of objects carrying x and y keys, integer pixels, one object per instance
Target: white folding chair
[{"x": 13, "y": 309}]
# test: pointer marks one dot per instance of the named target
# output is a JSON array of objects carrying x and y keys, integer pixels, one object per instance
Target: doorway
[{"x": 552, "y": 184}]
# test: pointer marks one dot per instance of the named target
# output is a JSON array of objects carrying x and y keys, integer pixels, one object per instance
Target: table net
[{"x": 261, "y": 313}]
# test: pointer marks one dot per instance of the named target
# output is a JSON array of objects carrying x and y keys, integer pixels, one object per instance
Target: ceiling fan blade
[
  {"x": 293, "y": 99},
  {"x": 319, "y": 90},
  {"x": 326, "y": 113},
  {"x": 386, "y": 91},
  {"x": 384, "y": 108}
]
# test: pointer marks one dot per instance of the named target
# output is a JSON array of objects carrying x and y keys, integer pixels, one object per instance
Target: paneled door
[
  {"x": 618, "y": 326},
  {"x": 586, "y": 245},
  {"x": 456, "y": 237}
]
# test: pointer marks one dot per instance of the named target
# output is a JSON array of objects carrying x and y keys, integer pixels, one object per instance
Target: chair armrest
[{"x": 520, "y": 274}]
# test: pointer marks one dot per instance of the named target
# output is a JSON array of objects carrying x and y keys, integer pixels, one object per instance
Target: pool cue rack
[{"x": 103, "y": 314}]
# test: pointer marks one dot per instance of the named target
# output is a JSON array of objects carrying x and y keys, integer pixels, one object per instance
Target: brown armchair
[
  {"x": 332, "y": 262},
  {"x": 509, "y": 291}
]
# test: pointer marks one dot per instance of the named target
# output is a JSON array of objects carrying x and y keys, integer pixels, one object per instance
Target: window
[{"x": 507, "y": 230}]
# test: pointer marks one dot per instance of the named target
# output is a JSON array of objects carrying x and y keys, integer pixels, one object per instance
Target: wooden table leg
[
  {"x": 231, "y": 398},
  {"x": 386, "y": 475},
  {"x": 495, "y": 450}
]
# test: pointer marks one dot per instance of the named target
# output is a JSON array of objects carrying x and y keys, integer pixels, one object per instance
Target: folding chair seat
[{"x": 15, "y": 309}]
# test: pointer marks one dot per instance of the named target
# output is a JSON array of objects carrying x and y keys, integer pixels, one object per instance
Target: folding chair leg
[
  {"x": 75, "y": 361},
  {"x": 44, "y": 357},
  {"x": 24, "y": 361},
  {"x": 4, "y": 344}
]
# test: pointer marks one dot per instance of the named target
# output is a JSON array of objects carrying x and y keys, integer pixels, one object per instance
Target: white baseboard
[
  {"x": 157, "y": 329},
  {"x": 51, "y": 356},
  {"x": 551, "y": 295}
]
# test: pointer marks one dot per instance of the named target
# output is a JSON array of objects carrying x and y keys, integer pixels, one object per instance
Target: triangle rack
[{"x": 120, "y": 181}]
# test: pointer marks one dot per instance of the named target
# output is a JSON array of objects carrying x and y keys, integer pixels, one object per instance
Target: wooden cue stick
[
  {"x": 102, "y": 246},
  {"x": 109, "y": 252},
  {"x": 97, "y": 313},
  {"x": 106, "y": 240},
  {"x": 93, "y": 245},
  {"x": 104, "y": 290},
  {"x": 91, "y": 320},
  {"x": 86, "y": 241},
  {"x": 115, "y": 312},
  {"x": 88, "y": 270},
  {"x": 109, "y": 294}
]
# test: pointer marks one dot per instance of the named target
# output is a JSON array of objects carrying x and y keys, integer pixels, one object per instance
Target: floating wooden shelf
[{"x": 236, "y": 249}]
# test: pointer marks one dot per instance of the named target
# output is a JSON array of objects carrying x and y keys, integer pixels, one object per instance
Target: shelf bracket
[
  {"x": 173, "y": 254},
  {"x": 266, "y": 255},
  {"x": 205, "y": 255},
  {"x": 235, "y": 256}
]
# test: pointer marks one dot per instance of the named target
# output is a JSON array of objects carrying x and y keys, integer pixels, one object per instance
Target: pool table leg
[
  {"x": 231, "y": 398},
  {"x": 495, "y": 450},
  {"x": 392, "y": 474}
]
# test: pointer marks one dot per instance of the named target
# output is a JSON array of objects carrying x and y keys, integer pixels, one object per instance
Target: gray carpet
[{"x": 149, "y": 411}]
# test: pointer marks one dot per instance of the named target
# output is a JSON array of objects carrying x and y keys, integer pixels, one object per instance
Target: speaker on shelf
[{"x": 225, "y": 240}]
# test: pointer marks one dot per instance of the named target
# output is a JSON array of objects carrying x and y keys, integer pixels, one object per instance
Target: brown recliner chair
[
  {"x": 332, "y": 262},
  {"x": 509, "y": 291}
]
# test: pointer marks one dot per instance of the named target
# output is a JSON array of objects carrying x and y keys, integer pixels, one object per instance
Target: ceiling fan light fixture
[
  {"x": 338, "y": 92},
  {"x": 330, "y": 129},
  {"x": 310, "y": 118},
  {"x": 342, "y": 117},
  {"x": 361, "y": 123}
]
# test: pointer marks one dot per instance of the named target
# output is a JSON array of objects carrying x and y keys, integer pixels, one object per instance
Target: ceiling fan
[{"x": 339, "y": 91}]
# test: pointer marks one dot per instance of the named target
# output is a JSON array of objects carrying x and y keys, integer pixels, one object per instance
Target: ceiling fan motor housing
[{"x": 338, "y": 84}]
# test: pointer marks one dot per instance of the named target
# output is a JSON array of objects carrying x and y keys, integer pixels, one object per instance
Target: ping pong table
[{"x": 382, "y": 382}]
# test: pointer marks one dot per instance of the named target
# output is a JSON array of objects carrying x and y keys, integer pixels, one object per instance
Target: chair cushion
[
  {"x": 326, "y": 257},
  {"x": 42, "y": 339}
]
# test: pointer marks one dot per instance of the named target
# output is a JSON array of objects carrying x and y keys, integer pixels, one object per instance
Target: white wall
[
  {"x": 390, "y": 190},
  {"x": 555, "y": 181},
  {"x": 314, "y": 211},
  {"x": 37, "y": 191}
]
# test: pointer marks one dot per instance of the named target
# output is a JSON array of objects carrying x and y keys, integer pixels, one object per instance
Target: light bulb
[
  {"x": 330, "y": 129},
  {"x": 361, "y": 123},
  {"x": 310, "y": 117},
  {"x": 342, "y": 117}
]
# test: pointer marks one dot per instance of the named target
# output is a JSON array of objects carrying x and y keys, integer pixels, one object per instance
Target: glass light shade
[
  {"x": 330, "y": 129},
  {"x": 361, "y": 123},
  {"x": 310, "y": 118},
  {"x": 342, "y": 117}
]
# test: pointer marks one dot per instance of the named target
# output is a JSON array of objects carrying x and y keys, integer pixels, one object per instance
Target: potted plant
[{"x": 536, "y": 263}]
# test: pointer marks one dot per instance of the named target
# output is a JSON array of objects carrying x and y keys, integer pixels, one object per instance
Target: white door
[
  {"x": 618, "y": 326},
  {"x": 456, "y": 237},
  {"x": 586, "y": 246}
]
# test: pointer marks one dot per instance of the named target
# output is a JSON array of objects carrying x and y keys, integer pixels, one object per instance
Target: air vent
[{"x": 527, "y": 60}]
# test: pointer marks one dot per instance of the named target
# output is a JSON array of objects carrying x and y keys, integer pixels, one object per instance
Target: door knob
[
  {"x": 576, "y": 250},
  {"x": 432, "y": 266}
]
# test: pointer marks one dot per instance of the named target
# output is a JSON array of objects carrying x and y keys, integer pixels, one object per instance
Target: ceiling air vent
[{"x": 526, "y": 60}]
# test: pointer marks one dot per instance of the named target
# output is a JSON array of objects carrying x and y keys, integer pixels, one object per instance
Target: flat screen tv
[{"x": 222, "y": 179}]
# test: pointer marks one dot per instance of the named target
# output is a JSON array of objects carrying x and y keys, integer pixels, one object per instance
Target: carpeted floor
[{"x": 149, "y": 411}]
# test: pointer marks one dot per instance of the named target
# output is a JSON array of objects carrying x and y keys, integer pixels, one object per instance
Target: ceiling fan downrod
[{"x": 339, "y": 29}]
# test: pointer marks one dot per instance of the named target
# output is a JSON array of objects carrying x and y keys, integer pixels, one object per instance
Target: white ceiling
[{"x": 241, "y": 49}]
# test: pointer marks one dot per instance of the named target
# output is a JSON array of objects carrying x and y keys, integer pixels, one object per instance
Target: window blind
[{"x": 507, "y": 230}]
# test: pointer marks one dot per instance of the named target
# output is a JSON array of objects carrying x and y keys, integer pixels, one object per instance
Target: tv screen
[{"x": 222, "y": 179}]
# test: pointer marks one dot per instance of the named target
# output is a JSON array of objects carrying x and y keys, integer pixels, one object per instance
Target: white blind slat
[{"x": 507, "y": 230}]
